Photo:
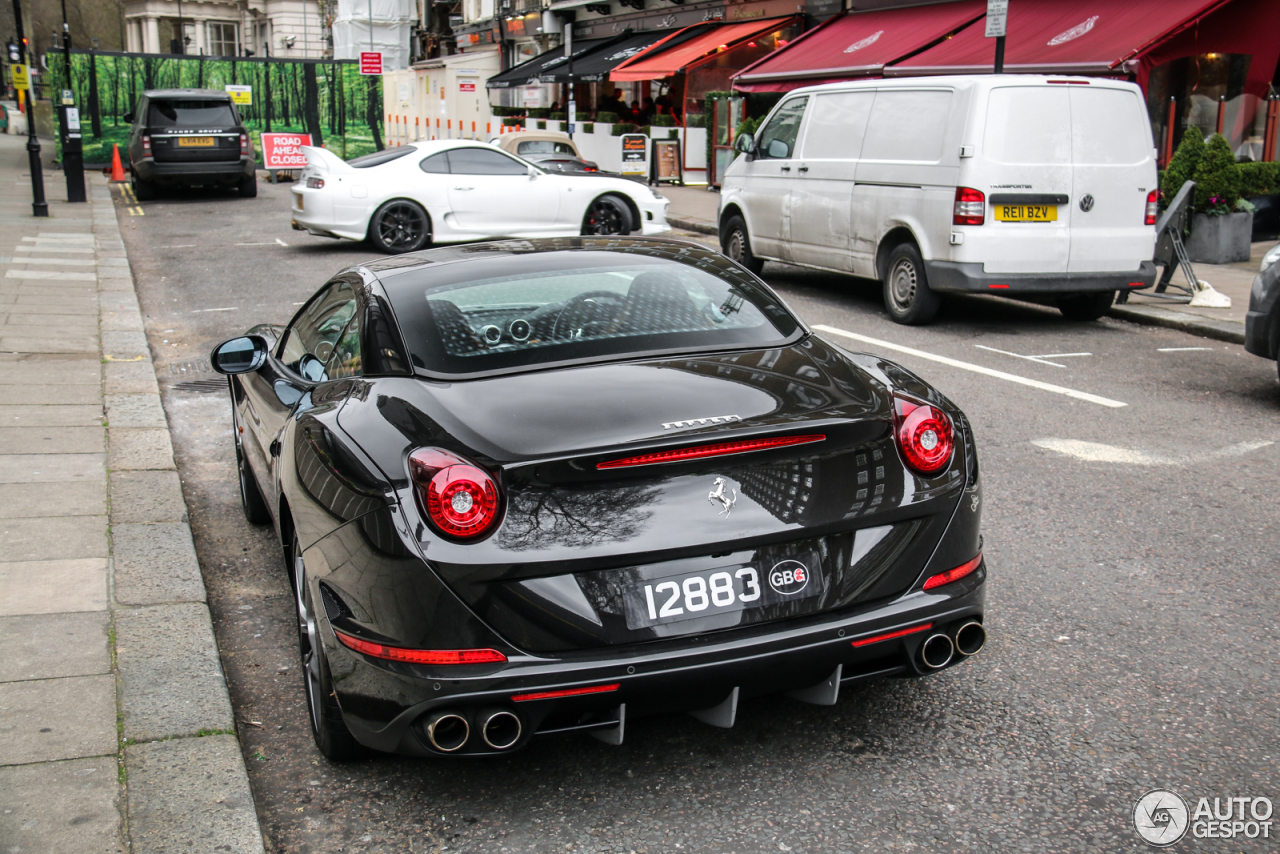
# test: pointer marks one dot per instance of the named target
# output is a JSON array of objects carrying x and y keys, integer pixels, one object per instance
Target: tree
[
  {"x": 1183, "y": 165},
  {"x": 311, "y": 102}
]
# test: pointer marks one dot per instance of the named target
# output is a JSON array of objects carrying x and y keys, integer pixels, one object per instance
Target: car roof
[
  {"x": 535, "y": 136},
  {"x": 203, "y": 94},
  {"x": 960, "y": 81}
]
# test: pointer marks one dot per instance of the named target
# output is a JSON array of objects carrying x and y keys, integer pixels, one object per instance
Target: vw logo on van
[{"x": 1086, "y": 203}]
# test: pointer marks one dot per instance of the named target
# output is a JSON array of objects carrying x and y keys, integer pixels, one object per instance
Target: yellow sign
[
  {"x": 1026, "y": 213},
  {"x": 21, "y": 79},
  {"x": 241, "y": 96}
]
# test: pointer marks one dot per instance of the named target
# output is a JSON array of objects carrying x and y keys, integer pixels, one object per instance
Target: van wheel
[
  {"x": 907, "y": 296},
  {"x": 1086, "y": 306},
  {"x": 735, "y": 244}
]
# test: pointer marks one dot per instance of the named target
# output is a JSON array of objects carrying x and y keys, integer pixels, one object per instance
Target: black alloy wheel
[
  {"x": 608, "y": 215},
  {"x": 251, "y": 500},
  {"x": 400, "y": 226},
  {"x": 143, "y": 191},
  {"x": 1086, "y": 306},
  {"x": 907, "y": 296},
  {"x": 327, "y": 727},
  {"x": 736, "y": 246}
]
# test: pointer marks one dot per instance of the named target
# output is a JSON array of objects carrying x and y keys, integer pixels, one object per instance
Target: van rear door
[
  {"x": 1025, "y": 165},
  {"x": 1112, "y": 154}
]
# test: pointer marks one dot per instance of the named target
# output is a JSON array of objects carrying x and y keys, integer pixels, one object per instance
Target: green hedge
[
  {"x": 605, "y": 117},
  {"x": 588, "y": 127},
  {"x": 663, "y": 120},
  {"x": 512, "y": 122},
  {"x": 619, "y": 128},
  {"x": 1182, "y": 167},
  {"x": 507, "y": 111},
  {"x": 1217, "y": 178},
  {"x": 1259, "y": 179},
  {"x": 542, "y": 125},
  {"x": 558, "y": 117},
  {"x": 538, "y": 112}
]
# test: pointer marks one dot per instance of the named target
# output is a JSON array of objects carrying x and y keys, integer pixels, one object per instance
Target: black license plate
[{"x": 712, "y": 592}]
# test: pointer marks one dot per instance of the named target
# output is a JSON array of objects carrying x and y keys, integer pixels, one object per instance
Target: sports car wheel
[
  {"x": 907, "y": 296},
  {"x": 251, "y": 500},
  {"x": 327, "y": 727},
  {"x": 735, "y": 244},
  {"x": 400, "y": 226},
  {"x": 1086, "y": 306},
  {"x": 608, "y": 215}
]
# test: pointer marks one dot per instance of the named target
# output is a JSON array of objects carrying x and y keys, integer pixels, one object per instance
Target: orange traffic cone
[{"x": 117, "y": 170}]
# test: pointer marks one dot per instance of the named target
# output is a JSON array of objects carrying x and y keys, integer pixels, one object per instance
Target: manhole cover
[{"x": 213, "y": 386}]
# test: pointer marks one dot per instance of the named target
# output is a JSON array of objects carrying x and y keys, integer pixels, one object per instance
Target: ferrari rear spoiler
[{"x": 323, "y": 160}]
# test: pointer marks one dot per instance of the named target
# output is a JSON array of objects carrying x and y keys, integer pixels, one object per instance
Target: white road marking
[
  {"x": 1044, "y": 360},
  {"x": 268, "y": 243},
  {"x": 80, "y": 236},
  {"x": 184, "y": 246},
  {"x": 72, "y": 262},
  {"x": 977, "y": 369},
  {"x": 281, "y": 242},
  {"x": 1094, "y": 452},
  {"x": 232, "y": 308},
  {"x": 51, "y": 274},
  {"x": 1180, "y": 349}
]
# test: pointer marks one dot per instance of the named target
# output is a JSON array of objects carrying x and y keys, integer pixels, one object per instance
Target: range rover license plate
[
  {"x": 1026, "y": 213},
  {"x": 718, "y": 591},
  {"x": 196, "y": 142}
]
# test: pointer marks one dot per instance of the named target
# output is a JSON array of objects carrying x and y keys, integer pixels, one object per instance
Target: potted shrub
[
  {"x": 1182, "y": 167},
  {"x": 1260, "y": 186},
  {"x": 1220, "y": 227}
]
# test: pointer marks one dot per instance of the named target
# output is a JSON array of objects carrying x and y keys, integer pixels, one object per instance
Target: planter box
[
  {"x": 1266, "y": 219},
  {"x": 1220, "y": 239}
]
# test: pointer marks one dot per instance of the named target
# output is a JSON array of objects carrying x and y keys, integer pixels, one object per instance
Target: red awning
[
  {"x": 1052, "y": 37},
  {"x": 858, "y": 44},
  {"x": 658, "y": 62},
  {"x": 1241, "y": 26}
]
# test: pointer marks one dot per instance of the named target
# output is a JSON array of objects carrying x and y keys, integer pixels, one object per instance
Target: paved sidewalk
[
  {"x": 694, "y": 209},
  {"x": 116, "y": 731}
]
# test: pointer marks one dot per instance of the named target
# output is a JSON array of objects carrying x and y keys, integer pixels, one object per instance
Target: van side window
[
  {"x": 1025, "y": 125},
  {"x": 836, "y": 125},
  {"x": 908, "y": 125},
  {"x": 778, "y": 139}
]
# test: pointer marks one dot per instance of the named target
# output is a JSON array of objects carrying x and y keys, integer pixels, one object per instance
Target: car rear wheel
[
  {"x": 907, "y": 296},
  {"x": 251, "y": 500},
  {"x": 400, "y": 226},
  {"x": 327, "y": 727},
  {"x": 1086, "y": 306},
  {"x": 608, "y": 215},
  {"x": 143, "y": 191},
  {"x": 249, "y": 187},
  {"x": 735, "y": 244}
]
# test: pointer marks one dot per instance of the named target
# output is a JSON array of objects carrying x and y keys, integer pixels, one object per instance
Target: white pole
[{"x": 370, "y": 26}]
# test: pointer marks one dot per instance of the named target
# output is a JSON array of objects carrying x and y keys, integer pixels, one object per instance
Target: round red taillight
[
  {"x": 924, "y": 434},
  {"x": 459, "y": 498}
]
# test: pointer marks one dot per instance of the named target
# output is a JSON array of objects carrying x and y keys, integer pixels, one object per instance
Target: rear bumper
[
  {"x": 972, "y": 278},
  {"x": 384, "y": 704},
  {"x": 229, "y": 171}
]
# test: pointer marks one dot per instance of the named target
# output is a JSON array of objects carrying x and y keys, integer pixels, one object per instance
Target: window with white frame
[{"x": 221, "y": 39}]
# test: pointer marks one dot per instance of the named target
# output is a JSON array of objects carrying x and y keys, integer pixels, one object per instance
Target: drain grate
[
  {"x": 198, "y": 366},
  {"x": 212, "y": 386}
]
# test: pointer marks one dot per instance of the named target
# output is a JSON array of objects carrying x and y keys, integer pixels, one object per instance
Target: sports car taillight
[
  {"x": 924, "y": 434},
  {"x": 458, "y": 497},
  {"x": 315, "y": 183},
  {"x": 420, "y": 656}
]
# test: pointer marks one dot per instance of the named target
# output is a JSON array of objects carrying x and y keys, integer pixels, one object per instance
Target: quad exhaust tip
[
  {"x": 937, "y": 651},
  {"x": 500, "y": 728},
  {"x": 971, "y": 638},
  {"x": 447, "y": 731}
]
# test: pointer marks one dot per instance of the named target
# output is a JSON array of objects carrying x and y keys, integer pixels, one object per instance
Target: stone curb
[
  {"x": 1219, "y": 330},
  {"x": 186, "y": 786}
]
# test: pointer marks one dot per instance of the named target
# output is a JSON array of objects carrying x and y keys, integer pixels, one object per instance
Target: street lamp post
[{"x": 39, "y": 207}]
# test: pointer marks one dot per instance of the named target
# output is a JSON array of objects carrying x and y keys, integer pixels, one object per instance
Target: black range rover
[{"x": 187, "y": 137}]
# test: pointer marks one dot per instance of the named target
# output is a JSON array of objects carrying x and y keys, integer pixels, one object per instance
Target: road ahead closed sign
[{"x": 284, "y": 150}]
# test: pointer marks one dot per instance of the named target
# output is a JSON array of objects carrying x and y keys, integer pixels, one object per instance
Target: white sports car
[{"x": 404, "y": 199}]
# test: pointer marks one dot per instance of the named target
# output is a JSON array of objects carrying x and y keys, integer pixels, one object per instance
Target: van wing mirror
[
  {"x": 745, "y": 144},
  {"x": 242, "y": 355}
]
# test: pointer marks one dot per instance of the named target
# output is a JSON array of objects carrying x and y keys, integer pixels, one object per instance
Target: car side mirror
[
  {"x": 242, "y": 355},
  {"x": 779, "y": 149},
  {"x": 128, "y": 117},
  {"x": 745, "y": 144}
]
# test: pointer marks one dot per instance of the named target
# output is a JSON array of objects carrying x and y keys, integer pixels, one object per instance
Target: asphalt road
[{"x": 1133, "y": 553}]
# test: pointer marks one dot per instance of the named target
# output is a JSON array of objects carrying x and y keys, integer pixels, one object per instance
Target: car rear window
[
  {"x": 191, "y": 113},
  {"x": 544, "y": 146},
  {"x": 384, "y": 156},
  {"x": 539, "y": 309}
]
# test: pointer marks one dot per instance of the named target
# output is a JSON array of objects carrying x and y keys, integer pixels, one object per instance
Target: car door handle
[
  {"x": 464, "y": 188},
  {"x": 784, "y": 168},
  {"x": 803, "y": 169}
]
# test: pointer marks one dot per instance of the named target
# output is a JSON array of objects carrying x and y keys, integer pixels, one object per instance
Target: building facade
[{"x": 293, "y": 29}]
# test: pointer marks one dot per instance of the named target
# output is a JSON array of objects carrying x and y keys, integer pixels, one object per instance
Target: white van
[{"x": 1006, "y": 184}]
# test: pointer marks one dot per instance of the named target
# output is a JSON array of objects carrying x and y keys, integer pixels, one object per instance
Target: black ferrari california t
[{"x": 537, "y": 487}]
